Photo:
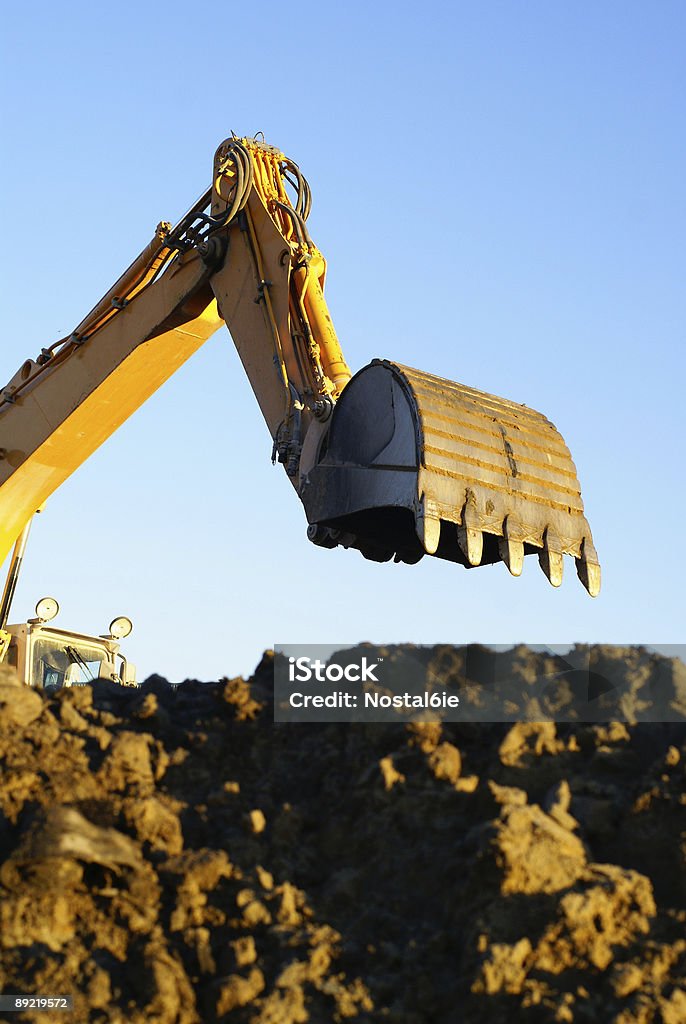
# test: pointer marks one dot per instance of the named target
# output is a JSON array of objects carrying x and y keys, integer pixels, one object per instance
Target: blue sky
[{"x": 498, "y": 189}]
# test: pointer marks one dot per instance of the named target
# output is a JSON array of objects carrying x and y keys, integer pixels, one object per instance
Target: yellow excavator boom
[{"x": 393, "y": 462}]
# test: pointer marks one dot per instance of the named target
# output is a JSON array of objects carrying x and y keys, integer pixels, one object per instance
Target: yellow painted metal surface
[
  {"x": 309, "y": 352},
  {"x": 54, "y": 426},
  {"x": 5, "y": 638},
  {"x": 492, "y": 466}
]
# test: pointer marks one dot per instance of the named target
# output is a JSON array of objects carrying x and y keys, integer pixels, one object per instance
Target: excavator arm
[{"x": 393, "y": 462}]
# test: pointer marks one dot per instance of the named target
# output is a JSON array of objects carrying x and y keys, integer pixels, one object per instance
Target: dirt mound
[{"x": 171, "y": 856}]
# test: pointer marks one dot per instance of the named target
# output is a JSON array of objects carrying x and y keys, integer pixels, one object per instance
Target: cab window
[{"x": 57, "y": 663}]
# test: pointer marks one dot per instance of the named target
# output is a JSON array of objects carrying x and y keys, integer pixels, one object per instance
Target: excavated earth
[{"x": 173, "y": 856}]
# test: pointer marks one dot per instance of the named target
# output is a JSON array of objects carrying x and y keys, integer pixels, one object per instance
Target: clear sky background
[{"x": 499, "y": 191}]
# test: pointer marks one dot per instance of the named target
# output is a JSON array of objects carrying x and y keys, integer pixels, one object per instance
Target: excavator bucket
[{"x": 415, "y": 464}]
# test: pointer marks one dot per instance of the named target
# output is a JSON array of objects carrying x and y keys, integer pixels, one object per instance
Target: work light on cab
[
  {"x": 46, "y": 609},
  {"x": 120, "y": 627}
]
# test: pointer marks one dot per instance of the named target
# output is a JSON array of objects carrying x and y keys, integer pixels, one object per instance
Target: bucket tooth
[
  {"x": 472, "y": 544},
  {"x": 511, "y": 546},
  {"x": 469, "y": 534},
  {"x": 431, "y": 533},
  {"x": 551, "y": 558},
  {"x": 588, "y": 567}
]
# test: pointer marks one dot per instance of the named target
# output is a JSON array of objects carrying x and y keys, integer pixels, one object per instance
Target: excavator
[{"x": 391, "y": 461}]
